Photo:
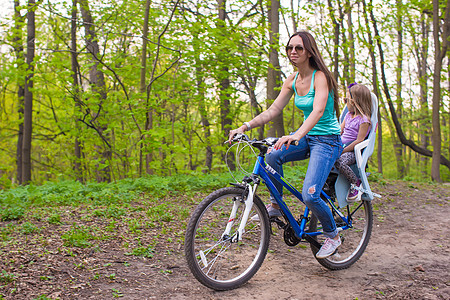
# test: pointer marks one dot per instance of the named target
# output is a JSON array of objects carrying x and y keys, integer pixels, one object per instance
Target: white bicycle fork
[{"x": 248, "y": 207}]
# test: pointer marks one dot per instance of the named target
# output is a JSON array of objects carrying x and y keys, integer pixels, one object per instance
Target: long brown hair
[
  {"x": 317, "y": 63},
  {"x": 362, "y": 99}
]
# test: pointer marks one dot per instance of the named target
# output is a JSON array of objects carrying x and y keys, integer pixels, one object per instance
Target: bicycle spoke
[
  {"x": 226, "y": 262},
  {"x": 354, "y": 239}
]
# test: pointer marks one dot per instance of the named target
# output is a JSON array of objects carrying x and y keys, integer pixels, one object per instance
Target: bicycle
[{"x": 226, "y": 244}]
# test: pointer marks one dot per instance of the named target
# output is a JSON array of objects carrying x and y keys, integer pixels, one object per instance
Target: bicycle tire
[
  {"x": 354, "y": 240},
  {"x": 218, "y": 263}
]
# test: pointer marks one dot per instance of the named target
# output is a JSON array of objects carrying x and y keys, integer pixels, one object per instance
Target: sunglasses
[
  {"x": 347, "y": 100},
  {"x": 298, "y": 49}
]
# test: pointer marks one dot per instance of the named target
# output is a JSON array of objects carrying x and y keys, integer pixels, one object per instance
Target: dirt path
[{"x": 408, "y": 257}]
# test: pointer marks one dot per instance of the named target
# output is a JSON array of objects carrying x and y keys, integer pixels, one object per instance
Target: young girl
[{"x": 354, "y": 129}]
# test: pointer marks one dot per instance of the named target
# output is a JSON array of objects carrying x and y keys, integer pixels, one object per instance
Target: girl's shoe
[{"x": 354, "y": 193}]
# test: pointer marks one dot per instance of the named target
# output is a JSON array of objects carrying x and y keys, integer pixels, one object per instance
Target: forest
[{"x": 98, "y": 91}]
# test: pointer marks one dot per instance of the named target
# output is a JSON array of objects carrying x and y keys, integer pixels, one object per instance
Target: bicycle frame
[{"x": 261, "y": 169}]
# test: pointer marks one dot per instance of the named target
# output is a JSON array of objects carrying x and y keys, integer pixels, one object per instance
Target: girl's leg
[
  {"x": 324, "y": 152},
  {"x": 343, "y": 165}
]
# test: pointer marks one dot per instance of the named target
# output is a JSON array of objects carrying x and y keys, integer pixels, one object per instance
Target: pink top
[{"x": 351, "y": 127}]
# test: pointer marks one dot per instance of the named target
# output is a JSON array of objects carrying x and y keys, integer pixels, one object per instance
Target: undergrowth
[{"x": 15, "y": 202}]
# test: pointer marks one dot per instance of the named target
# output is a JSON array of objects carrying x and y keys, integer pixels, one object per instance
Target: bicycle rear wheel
[
  {"x": 219, "y": 262},
  {"x": 354, "y": 240}
]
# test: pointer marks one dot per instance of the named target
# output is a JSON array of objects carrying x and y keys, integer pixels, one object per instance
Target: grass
[
  {"x": 6, "y": 277},
  {"x": 81, "y": 236},
  {"x": 142, "y": 251}
]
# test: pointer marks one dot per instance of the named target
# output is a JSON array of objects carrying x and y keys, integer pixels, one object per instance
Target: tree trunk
[
  {"x": 142, "y": 89},
  {"x": 336, "y": 29},
  {"x": 448, "y": 112},
  {"x": 375, "y": 89},
  {"x": 204, "y": 114},
  {"x": 439, "y": 54},
  {"x": 224, "y": 78},
  {"x": 397, "y": 145},
  {"x": 276, "y": 126},
  {"x": 250, "y": 86},
  {"x": 28, "y": 95},
  {"x": 19, "y": 52},
  {"x": 385, "y": 85},
  {"x": 351, "y": 42},
  {"x": 148, "y": 88},
  {"x": 75, "y": 91},
  {"x": 97, "y": 79},
  {"x": 293, "y": 18},
  {"x": 423, "y": 83}
]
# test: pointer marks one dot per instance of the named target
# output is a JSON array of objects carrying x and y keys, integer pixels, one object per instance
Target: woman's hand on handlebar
[
  {"x": 285, "y": 140},
  {"x": 234, "y": 132}
]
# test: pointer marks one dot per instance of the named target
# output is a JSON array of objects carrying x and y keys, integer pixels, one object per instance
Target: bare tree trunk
[
  {"x": 351, "y": 42},
  {"x": 422, "y": 54},
  {"x": 375, "y": 89},
  {"x": 97, "y": 78},
  {"x": 439, "y": 54},
  {"x": 74, "y": 65},
  {"x": 28, "y": 95},
  {"x": 293, "y": 18},
  {"x": 224, "y": 79},
  {"x": 148, "y": 89},
  {"x": 384, "y": 82},
  {"x": 276, "y": 126},
  {"x": 204, "y": 119},
  {"x": 19, "y": 52},
  {"x": 397, "y": 145},
  {"x": 448, "y": 112},
  {"x": 142, "y": 89},
  {"x": 336, "y": 27},
  {"x": 250, "y": 86}
]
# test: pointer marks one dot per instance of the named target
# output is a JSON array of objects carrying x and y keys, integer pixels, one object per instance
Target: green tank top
[{"x": 328, "y": 123}]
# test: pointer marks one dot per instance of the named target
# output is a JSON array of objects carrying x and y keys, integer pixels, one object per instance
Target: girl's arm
[
  {"x": 342, "y": 126},
  {"x": 362, "y": 132},
  {"x": 319, "y": 104}
]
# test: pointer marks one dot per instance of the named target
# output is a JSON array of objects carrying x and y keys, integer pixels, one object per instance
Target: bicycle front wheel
[
  {"x": 354, "y": 240},
  {"x": 219, "y": 261}
]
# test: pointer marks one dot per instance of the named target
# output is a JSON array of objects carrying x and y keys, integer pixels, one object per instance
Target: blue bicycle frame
[{"x": 261, "y": 169}]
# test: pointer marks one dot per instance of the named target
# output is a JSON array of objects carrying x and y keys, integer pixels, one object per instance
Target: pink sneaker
[
  {"x": 328, "y": 248},
  {"x": 353, "y": 193}
]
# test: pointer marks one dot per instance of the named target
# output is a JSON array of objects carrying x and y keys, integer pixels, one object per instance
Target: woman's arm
[
  {"x": 319, "y": 104},
  {"x": 362, "y": 132},
  {"x": 274, "y": 110}
]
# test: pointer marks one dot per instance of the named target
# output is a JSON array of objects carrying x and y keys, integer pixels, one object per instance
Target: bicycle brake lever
[{"x": 239, "y": 137}]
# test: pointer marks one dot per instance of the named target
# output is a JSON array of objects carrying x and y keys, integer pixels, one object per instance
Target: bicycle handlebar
[{"x": 259, "y": 144}]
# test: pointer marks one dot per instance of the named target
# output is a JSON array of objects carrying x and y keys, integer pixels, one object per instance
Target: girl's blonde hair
[{"x": 362, "y": 99}]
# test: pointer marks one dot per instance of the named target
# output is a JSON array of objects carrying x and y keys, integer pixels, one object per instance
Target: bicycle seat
[{"x": 362, "y": 151}]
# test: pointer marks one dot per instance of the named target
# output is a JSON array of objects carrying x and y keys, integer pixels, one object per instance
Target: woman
[{"x": 318, "y": 137}]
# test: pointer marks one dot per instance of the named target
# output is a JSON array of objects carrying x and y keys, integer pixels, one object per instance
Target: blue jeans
[{"x": 322, "y": 150}]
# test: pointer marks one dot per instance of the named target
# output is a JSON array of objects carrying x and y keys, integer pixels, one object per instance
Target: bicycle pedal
[{"x": 279, "y": 223}]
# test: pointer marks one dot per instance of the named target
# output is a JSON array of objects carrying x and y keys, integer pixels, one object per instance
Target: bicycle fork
[{"x": 248, "y": 207}]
